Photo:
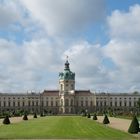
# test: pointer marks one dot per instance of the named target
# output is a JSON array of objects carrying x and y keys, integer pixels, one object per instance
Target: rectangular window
[
  {"x": 36, "y": 103},
  {"x": 28, "y": 103},
  {"x": 129, "y": 104},
  {"x": 13, "y": 104},
  {"x": 56, "y": 103},
  {"x": 86, "y": 103},
  {"x": 46, "y": 103},
  {"x": 120, "y": 103},
  {"x": 4, "y": 104},
  {"x": 115, "y": 103},
  {"x": 91, "y": 103},
  {"x": 81, "y": 103},
  {"x": 135, "y": 103},
  {"x": 97, "y": 103},
  {"x": 42, "y": 103},
  {"x": 51, "y": 103},
  {"x": 124, "y": 103},
  {"x": 104, "y": 103},
  {"x": 100, "y": 103},
  {"x": 76, "y": 103},
  {"x": 18, "y": 103},
  {"x": 9, "y": 104},
  {"x": 71, "y": 102},
  {"x": 22, "y": 103}
]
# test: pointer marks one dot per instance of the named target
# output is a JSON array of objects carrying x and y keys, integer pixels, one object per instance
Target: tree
[
  {"x": 95, "y": 117},
  {"x": 135, "y": 92},
  {"x": 134, "y": 126},
  {"x": 88, "y": 116},
  {"x": 25, "y": 117},
  {"x": 41, "y": 114},
  {"x": 35, "y": 115},
  {"x": 6, "y": 120},
  {"x": 106, "y": 120}
]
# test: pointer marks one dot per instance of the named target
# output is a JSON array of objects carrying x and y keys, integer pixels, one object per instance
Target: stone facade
[{"x": 121, "y": 102}]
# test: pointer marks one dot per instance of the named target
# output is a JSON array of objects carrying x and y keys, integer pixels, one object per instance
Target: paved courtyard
[{"x": 117, "y": 123}]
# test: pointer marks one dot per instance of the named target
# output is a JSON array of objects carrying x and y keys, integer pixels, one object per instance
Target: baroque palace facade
[{"x": 67, "y": 100}]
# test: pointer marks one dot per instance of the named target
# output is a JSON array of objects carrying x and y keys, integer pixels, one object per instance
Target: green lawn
[{"x": 65, "y": 127}]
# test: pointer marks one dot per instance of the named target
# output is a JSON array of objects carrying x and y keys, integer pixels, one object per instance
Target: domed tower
[
  {"x": 66, "y": 80},
  {"x": 66, "y": 89}
]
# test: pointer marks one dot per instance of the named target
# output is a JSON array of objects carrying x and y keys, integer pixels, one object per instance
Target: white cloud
[
  {"x": 35, "y": 63},
  {"x": 11, "y": 12},
  {"x": 64, "y": 16},
  {"x": 125, "y": 25},
  {"x": 123, "y": 48},
  {"x": 86, "y": 61},
  {"x": 23, "y": 67}
]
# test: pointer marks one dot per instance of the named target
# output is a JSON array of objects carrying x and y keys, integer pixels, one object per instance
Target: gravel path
[
  {"x": 121, "y": 124},
  {"x": 16, "y": 119}
]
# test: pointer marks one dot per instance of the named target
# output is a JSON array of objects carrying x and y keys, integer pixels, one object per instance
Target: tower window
[
  {"x": 72, "y": 86},
  {"x": 61, "y": 87}
]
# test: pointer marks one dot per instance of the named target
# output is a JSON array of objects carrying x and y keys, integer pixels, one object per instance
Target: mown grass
[{"x": 62, "y": 127}]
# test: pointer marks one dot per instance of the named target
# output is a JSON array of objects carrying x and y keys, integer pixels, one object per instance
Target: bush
[
  {"x": 95, "y": 117},
  {"x": 41, "y": 114},
  {"x": 35, "y": 116},
  {"x": 6, "y": 120},
  {"x": 88, "y": 116},
  {"x": 106, "y": 120},
  {"x": 134, "y": 126},
  {"x": 25, "y": 117}
]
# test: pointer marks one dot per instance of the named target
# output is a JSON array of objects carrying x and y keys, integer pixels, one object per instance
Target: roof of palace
[
  {"x": 51, "y": 92},
  {"x": 83, "y": 92},
  {"x": 77, "y": 92},
  {"x": 48, "y": 93}
]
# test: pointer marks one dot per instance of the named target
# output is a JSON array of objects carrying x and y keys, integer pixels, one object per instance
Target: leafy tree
[
  {"x": 106, "y": 120},
  {"x": 6, "y": 120},
  {"x": 134, "y": 126},
  {"x": 95, "y": 117},
  {"x": 25, "y": 117}
]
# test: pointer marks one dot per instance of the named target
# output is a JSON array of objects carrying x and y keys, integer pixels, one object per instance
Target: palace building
[{"x": 67, "y": 100}]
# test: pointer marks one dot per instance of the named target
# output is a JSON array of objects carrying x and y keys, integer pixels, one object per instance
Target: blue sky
[{"x": 101, "y": 38}]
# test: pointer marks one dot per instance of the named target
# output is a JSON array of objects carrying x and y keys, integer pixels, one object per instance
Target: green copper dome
[{"x": 67, "y": 74}]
